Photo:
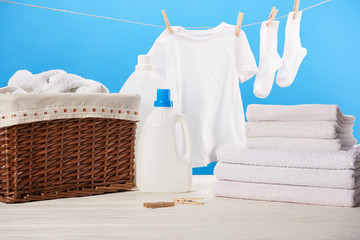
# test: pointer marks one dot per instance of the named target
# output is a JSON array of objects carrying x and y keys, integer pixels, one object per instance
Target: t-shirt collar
[{"x": 198, "y": 34}]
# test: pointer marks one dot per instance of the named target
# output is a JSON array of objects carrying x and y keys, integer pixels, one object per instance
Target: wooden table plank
[{"x": 122, "y": 216}]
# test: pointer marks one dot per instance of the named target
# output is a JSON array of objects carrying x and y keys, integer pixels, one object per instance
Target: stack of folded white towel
[
  {"x": 295, "y": 154},
  {"x": 316, "y": 127}
]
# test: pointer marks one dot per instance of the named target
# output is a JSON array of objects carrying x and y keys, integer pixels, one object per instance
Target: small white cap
[
  {"x": 144, "y": 63},
  {"x": 144, "y": 59}
]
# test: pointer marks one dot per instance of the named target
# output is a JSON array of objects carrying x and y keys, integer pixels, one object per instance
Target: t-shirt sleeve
[{"x": 245, "y": 62}]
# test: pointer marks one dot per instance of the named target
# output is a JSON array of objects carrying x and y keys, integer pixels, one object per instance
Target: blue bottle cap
[{"x": 163, "y": 98}]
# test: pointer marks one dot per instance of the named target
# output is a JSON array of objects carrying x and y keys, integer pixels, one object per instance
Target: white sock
[
  {"x": 270, "y": 60},
  {"x": 294, "y": 53}
]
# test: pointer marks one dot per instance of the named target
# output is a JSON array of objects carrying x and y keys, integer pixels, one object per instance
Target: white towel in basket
[{"x": 53, "y": 81}]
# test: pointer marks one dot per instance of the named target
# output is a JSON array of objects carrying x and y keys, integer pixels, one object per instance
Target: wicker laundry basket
[{"x": 66, "y": 145}]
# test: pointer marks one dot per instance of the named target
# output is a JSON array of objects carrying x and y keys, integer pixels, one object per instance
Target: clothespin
[
  {"x": 272, "y": 16},
  {"x": 158, "y": 204},
  {"x": 272, "y": 12},
  {"x": 188, "y": 201},
  {"x": 167, "y": 23},
  {"x": 296, "y": 8},
  {"x": 238, "y": 24}
]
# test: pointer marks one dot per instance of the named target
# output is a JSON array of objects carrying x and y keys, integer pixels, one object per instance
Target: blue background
[{"x": 106, "y": 51}]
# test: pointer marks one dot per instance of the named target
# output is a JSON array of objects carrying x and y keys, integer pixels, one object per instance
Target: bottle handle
[{"x": 180, "y": 118}]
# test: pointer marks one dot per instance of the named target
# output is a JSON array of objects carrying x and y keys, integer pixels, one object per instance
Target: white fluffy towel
[
  {"x": 296, "y": 176},
  {"x": 287, "y": 193},
  {"x": 346, "y": 179},
  {"x": 238, "y": 154},
  {"x": 301, "y": 143},
  {"x": 53, "y": 81},
  {"x": 297, "y": 113},
  {"x": 320, "y": 130}
]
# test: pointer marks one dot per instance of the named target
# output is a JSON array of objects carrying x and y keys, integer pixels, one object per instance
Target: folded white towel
[
  {"x": 297, "y": 113},
  {"x": 238, "y": 154},
  {"x": 345, "y": 136},
  {"x": 53, "y": 81},
  {"x": 300, "y": 143},
  {"x": 286, "y": 193},
  {"x": 321, "y": 130},
  {"x": 346, "y": 179}
]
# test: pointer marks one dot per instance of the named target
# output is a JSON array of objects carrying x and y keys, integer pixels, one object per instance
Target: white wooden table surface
[{"x": 122, "y": 216}]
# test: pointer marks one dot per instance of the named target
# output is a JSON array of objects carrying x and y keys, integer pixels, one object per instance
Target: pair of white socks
[{"x": 270, "y": 61}]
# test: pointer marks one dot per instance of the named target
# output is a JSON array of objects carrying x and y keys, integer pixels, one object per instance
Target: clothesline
[{"x": 139, "y": 23}]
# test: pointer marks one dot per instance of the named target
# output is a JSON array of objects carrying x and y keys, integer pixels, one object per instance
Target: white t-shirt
[{"x": 203, "y": 69}]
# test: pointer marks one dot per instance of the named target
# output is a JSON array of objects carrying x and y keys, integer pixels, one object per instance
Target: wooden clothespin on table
[
  {"x": 272, "y": 16},
  {"x": 296, "y": 8},
  {"x": 158, "y": 204},
  {"x": 167, "y": 23},
  {"x": 188, "y": 201},
  {"x": 238, "y": 23},
  {"x": 171, "y": 204}
]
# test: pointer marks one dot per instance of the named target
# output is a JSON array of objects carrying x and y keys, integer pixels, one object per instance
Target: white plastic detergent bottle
[
  {"x": 159, "y": 166},
  {"x": 144, "y": 81}
]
